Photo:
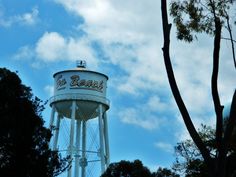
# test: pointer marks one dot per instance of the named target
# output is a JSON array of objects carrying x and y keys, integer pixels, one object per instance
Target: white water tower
[{"x": 80, "y": 98}]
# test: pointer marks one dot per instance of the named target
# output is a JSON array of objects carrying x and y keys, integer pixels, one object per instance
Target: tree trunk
[
  {"x": 214, "y": 84},
  {"x": 175, "y": 91},
  {"x": 220, "y": 166}
]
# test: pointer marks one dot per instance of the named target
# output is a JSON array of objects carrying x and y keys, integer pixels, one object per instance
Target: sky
[{"x": 122, "y": 39}]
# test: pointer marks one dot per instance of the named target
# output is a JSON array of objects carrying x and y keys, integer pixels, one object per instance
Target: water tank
[
  {"x": 79, "y": 96},
  {"x": 87, "y": 87}
]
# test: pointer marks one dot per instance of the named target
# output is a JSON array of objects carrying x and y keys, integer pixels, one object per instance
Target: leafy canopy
[
  {"x": 135, "y": 169},
  {"x": 127, "y": 169},
  {"x": 24, "y": 140},
  {"x": 198, "y": 16},
  {"x": 189, "y": 160}
]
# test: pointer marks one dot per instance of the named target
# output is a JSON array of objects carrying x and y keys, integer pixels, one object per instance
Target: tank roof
[{"x": 80, "y": 69}]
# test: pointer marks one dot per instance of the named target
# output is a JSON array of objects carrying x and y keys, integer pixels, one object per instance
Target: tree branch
[
  {"x": 220, "y": 168},
  {"x": 231, "y": 123},
  {"x": 174, "y": 88},
  {"x": 214, "y": 83},
  {"x": 225, "y": 38},
  {"x": 231, "y": 39}
]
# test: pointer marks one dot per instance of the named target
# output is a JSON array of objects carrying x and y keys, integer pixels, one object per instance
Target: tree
[
  {"x": 24, "y": 149},
  {"x": 189, "y": 160},
  {"x": 127, "y": 169},
  {"x": 164, "y": 172},
  {"x": 135, "y": 169},
  {"x": 211, "y": 23}
]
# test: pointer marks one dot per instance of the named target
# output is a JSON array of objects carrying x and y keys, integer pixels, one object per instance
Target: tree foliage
[
  {"x": 192, "y": 17},
  {"x": 198, "y": 16},
  {"x": 189, "y": 161},
  {"x": 135, "y": 169},
  {"x": 24, "y": 149},
  {"x": 127, "y": 169},
  {"x": 164, "y": 172}
]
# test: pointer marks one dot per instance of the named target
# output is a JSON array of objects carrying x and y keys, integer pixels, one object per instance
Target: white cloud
[
  {"x": 132, "y": 40},
  {"x": 24, "y": 53},
  {"x": 167, "y": 147},
  {"x": 28, "y": 19},
  {"x": 142, "y": 119},
  {"x": 115, "y": 21},
  {"x": 227, "y": 79},
  {"x": 142, "y": 64},
  {"x": 52, "y": 47},
  {"x": 128, "y": 38},
  {"x": 182, "y": 133},
  {"x": 27, "y": 53},
  {"x": 149, "y": 114},
  {"x": 155, "y": 104},
  {"x": 81, "y": 49},
  {"x": 49, "y": 89}
]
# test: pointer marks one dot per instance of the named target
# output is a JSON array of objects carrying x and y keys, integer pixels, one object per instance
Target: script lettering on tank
[
  {"x": 60, "y": 83},
  {"x": 77, "y": 83}
]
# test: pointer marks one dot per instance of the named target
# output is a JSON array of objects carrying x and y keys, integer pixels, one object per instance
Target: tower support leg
[
  {"x": 72, "y": 130},
  {"x": 107, "y": 150},
  {"x": 52, "y": 117},
  {"x": 101, "y": 137},
  {"x": 77, "y": 147},
  {"x": 83, "y": 160},
  {"x": 59, "y": 117}
]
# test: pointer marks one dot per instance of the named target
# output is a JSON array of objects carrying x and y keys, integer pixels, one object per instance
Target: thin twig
[{"x": 228, "y": 39}]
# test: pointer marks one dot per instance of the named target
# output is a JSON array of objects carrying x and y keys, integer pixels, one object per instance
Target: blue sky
[{"x": 122, "y": 39}]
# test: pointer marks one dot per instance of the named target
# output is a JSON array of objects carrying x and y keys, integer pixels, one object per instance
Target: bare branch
[
  {"x": 175, "y": 90},
  {"x": 231, "y": 122},
  {"x": 231, "y": 39},
  {"x": 216, "y": 99},
  {"x": 228, "y": 39},
  {"x": 214, "y": 82}
]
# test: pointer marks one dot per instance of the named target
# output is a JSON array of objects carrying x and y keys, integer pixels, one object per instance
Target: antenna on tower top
[{"x": 80, "y": 63}]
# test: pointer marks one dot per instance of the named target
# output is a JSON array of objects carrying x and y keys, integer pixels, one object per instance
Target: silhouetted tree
[
  {"x": 189, "y": 161},
  {"x": 24, "y": 150},
  {"x": 164, "y": 172},
  {"x": 202, "y": 16},
  {"x": 127, "y": 169},
  {"x": 135, "y": 169}
]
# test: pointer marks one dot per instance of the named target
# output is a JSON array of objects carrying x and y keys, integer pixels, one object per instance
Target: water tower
[{"x": 80, "y": 98}]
